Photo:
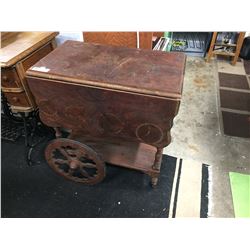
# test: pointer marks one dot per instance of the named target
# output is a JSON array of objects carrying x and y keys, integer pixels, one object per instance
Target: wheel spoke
[
  {"x": 64, "y": 153},
  {"x": 78, "y": 153},
  {"x": 72, "y": 153},
  {"x": 61, "y": 161},
  {"x": 87, "y": 165},
  {"x": 84, "y": 173}
]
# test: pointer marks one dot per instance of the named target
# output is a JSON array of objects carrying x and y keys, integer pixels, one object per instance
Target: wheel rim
[{"x": 75, "y": 161}]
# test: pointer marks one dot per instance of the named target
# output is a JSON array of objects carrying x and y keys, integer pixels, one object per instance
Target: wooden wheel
[{"x": 75, "y": 161}]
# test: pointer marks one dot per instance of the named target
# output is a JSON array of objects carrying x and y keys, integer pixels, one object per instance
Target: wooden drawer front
[
  {"x": 9, "y": 78},
  {"x": 17, "y": 99},
  {"x": 36, "y": 56}
]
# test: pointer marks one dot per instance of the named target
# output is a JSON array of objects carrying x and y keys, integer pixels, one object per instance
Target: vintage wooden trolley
[{"x": 117, "y": 103}]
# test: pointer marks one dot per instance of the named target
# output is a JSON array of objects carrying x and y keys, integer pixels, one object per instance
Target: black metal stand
[
  {"x": 25, "y": 128},
  {"x": 37, "y": 130},
  {"x": 32, "y": 127},
  {"x": 11, "y": 128}
]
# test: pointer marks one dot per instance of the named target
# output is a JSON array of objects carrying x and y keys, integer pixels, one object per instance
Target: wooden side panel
[
  {"x": 158, "y": 33},
  {"x": 17, "y": 99},
  {"x": 9, "y": 78},
  {"x": 36, "y": 56},
  {"x": 22, "y": 77},
  {"x": 124, "y": 39},
  {"x": 102, "y": 113},
  {"x": 145, "y": 39}
]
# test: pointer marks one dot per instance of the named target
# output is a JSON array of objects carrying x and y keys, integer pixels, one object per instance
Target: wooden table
[
  {"x": 19, "y": 51},
  {"x": 116, "y": 103}
]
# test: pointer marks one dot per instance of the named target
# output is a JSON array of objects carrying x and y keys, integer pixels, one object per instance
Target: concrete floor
[{"x": 196, "y": 134}]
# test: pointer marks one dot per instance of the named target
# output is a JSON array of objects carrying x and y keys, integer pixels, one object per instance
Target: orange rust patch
[{"x": 199, "y": 82}]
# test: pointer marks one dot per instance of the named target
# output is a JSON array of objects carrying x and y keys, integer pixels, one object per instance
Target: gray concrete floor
[{"x": 196, "y": 134}]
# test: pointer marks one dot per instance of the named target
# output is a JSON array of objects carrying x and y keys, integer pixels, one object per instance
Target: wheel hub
[{"x": 74, "y": 164}]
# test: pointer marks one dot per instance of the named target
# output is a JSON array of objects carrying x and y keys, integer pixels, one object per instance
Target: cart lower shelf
[{"x": 138, "y": 156}]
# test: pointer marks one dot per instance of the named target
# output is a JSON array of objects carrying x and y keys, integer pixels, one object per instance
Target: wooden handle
[{"x": 15, "y": 99}]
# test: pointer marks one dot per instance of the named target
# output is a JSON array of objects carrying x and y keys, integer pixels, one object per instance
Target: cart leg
[
  {"x": 154, "y": 181},
  {"x": 157, "y": 166},
  {"x": 158, "y": 157}
]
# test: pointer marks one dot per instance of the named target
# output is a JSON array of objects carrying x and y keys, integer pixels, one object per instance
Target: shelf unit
[{"x": 236, "y": 47}]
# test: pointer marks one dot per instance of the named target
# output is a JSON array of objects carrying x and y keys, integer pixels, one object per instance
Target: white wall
[{"x": 64, "y": 36}]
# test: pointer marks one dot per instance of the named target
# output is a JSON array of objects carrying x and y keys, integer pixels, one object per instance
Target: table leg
[
  {"x": 211, "y": 48},
  {"x": 238, "y": 47},
  {"x": 154, "y": 181}
]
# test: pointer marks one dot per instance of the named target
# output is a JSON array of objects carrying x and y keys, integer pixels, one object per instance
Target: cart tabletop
[
  {"x": 17, "y": 45},
  {"x": 126, "y": 69}
]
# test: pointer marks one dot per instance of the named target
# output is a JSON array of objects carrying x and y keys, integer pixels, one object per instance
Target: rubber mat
[
  {"x": 236, "y": 124},
  {"x": 235, "y": 100},
  {"x": 38, "y": 192},
  {"x": 247, "y": 66},
  {"x": 233, "y": 81},
  {"x": 10, "y": 130}
]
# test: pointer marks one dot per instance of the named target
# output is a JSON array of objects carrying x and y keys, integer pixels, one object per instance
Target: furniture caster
[{"x": 75, "y": 161}]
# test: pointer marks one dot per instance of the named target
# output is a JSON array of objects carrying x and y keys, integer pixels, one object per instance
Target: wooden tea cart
[{"x": 117, "y": 103}]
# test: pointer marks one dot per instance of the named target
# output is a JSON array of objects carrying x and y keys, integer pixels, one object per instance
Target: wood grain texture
[
  {"x": 37, "y": 55},
  {"x": 125, "y": 39},
  {"x": 126, "y": 69},
  {"x": 145, "y": 40},
  {"x": 132, "y": 155},
  {"x": 12, "y": 90},
  {"x": 10, "y": 78},
  {"x": 17, "y": 45},
  {"x": 17, "y": 99},
  {"x": 103, "y": 113},
  {"x": 211, "y": 47},
  {"x": 238, "y": 47},
  {"x": 22, "y": 77},
  {"x": 158, "y": 33}
]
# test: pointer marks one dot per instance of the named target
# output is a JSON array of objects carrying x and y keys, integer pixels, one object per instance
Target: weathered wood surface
[
  {"x": 104, "y": 113},
  {"x": 17, "y": 45},
  {"x": 135, "y": 70}
]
